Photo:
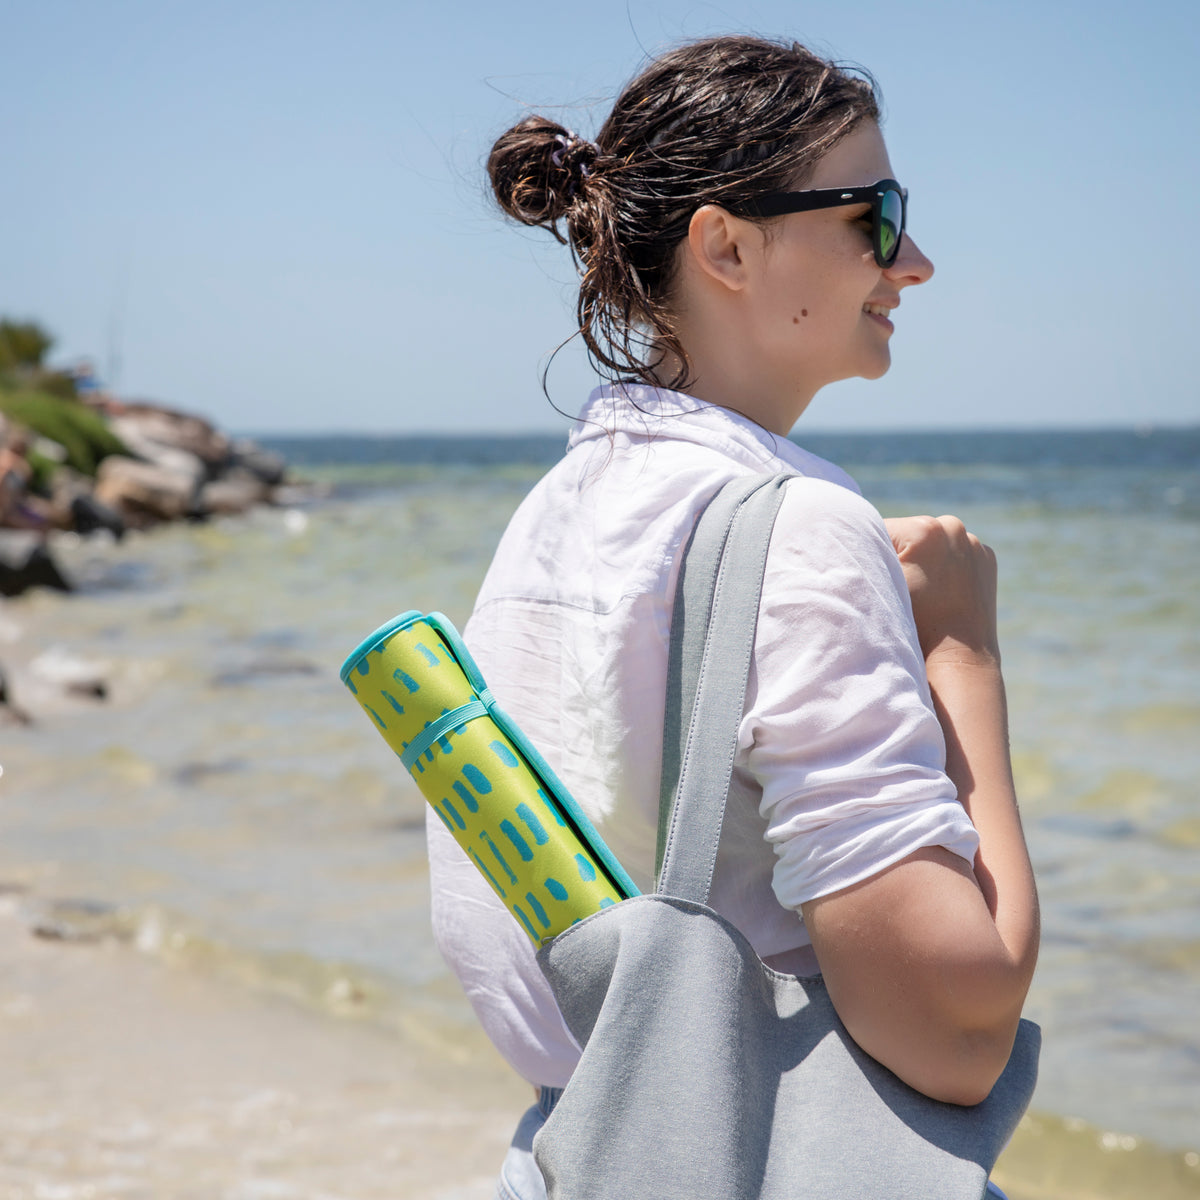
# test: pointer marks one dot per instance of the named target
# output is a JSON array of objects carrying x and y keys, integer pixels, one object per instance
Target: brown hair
[{"x": 720, "y": 121}]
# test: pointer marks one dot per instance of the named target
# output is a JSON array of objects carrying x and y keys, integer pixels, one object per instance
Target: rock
[
  {"x": 167, "y": 427},
  {"x": 179, "y": 461},
  {"x": 74, "y": 676},
  {"x": 71, "y": 920},
  {"x": 25, "y": 563},
  {"x": 266, "y": 465},
  {"x": 144, "y": 492},
  {"x": 17, "y": 544},
  {"x": 65, "y": 485},
  {"x": 73, "y": 506},
  {"x": 234, "y": 493},
  {"x": 10, "y": 709},
  {"x": 200, "y": 772},
  {"x": 89, "y": 515}
]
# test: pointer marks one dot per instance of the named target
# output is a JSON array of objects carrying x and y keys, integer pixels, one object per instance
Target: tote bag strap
[{"x": 712, "y": 639}]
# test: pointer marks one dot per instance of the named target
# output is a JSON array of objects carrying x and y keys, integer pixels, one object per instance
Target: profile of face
[
  {"x": 804, "y": 302},
  {"x": 823, "y": 304}
]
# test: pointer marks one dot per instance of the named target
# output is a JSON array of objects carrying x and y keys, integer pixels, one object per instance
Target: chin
[{"x": 878, "y": 369}]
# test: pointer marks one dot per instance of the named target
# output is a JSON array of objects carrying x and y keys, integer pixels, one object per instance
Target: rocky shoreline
[
  {"x": 90, "y": 465},
  {"x": 157, "y": 464}
]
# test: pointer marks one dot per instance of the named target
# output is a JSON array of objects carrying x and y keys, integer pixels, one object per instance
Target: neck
[{"x": 723, "y": 371}]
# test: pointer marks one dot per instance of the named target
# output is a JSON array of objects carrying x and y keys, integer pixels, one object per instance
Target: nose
[{"x": 911, "y": 266}]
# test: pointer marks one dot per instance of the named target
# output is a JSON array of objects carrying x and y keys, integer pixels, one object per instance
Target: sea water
[{"x": 229, "y": 807}]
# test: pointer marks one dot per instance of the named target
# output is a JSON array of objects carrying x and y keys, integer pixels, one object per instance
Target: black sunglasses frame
[{"x": 777, "y": 204}]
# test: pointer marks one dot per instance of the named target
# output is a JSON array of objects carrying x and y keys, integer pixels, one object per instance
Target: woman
[{"x": 740, "y": 239}]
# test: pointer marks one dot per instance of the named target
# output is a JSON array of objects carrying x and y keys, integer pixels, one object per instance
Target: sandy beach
[{"x": 124, "y": 1077}]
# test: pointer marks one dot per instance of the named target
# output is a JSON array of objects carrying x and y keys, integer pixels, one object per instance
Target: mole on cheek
[{"x": 803, "y": 313}]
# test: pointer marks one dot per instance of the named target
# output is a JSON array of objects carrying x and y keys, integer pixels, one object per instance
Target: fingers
[
  {"x": 934, "y": 537},
  {"x": 951, "y": 578}
]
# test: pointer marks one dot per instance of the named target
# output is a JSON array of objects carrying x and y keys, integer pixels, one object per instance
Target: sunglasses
[{"x": 889, "y": 210}]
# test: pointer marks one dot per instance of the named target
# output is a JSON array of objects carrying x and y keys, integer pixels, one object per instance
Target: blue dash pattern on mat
[
  {"x": 407, "y": 680},
  {"x": 477, "y": 779},
  {"x": 454, "y": 813},
  {"x": 538, "y": 910},
  {"x": 465, "y": 796},
  {"x": 535, "y": 827},
  {"x": 480, "y": 864},
  {"x": 498, "y": 856},
  {"x": 504, "y": 754},
  {"x": 519, "y": 843},
  {"x": 516, "y": 910}
]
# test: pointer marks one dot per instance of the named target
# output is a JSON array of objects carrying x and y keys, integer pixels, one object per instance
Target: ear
[{"x": 718, "y": 244}]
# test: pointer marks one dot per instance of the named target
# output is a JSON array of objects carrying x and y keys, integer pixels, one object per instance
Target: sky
[{"x": 274, "y": 213}]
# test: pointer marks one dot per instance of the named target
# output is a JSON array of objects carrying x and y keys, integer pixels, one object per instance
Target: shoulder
[
  {"x": 825, "y": 494},
  {"x": 815, "y": 506},
  {"x": 831, "y": 549}
]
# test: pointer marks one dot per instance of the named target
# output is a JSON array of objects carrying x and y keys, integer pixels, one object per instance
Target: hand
[{"x": 951, "y": 577}]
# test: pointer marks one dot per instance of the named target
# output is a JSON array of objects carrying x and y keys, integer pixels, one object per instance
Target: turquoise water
[{"x": 230, "y": 805}]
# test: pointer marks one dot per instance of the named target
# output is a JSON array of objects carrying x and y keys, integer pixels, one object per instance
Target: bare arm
[{"x": 928, "y": 962}]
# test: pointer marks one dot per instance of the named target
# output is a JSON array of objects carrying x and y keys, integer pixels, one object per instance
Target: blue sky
[{"x": 274, "y": 213}]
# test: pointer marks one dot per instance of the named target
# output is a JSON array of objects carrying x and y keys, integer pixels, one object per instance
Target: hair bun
[
  {"x": 575, "y": 155},
  {"x": 538, "y": 168}
]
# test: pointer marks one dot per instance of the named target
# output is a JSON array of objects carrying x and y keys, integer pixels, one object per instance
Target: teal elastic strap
[{"x": 446, "y": 722}]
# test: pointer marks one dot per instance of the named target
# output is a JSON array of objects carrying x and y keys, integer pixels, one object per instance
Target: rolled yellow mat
[{"x": 491, "y": 788}]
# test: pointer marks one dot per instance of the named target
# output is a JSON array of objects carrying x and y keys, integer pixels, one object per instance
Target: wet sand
[{"x": 126, "y": 1078}]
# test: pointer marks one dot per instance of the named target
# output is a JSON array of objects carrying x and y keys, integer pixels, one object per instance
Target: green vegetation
[
  {"x": 23, "y": 349},
  {"x": 44, "y": 401},
  {"x": 23, "y": 344},
  {"x": 82, "y": 433}
]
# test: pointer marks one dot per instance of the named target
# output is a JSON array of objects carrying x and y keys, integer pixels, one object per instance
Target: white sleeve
[{"x": 839, "y": 729}]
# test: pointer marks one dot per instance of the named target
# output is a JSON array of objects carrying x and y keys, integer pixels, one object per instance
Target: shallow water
[{"x": 230, "y": 807}]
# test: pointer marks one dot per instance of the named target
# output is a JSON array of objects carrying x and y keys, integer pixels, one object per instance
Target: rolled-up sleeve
[{"x": 839, "y": 729}]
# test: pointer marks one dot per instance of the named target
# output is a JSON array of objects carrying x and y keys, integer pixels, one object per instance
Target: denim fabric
[{"x": 520, "y": 1178}]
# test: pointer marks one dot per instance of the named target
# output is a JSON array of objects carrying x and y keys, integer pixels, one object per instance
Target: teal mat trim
[
  {"x": 568, "y": 807},
  {"x": 453, "y": 720},
  {"x": 486, "y": 704},
  {"x": 376, "y": 639}
]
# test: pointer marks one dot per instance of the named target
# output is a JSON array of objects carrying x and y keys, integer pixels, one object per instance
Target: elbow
[
  {"x": 978, "y": 1021},
  {"x": 966, "y": 1067},
  {"x": 945, "y": 1062},
  {"x": 952, "y": 1045}
]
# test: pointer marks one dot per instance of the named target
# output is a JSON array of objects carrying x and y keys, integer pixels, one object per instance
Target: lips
[{"x": 878, "y": 310}]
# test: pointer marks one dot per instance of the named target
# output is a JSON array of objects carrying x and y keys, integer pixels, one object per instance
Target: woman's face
[{"x": 820, "y": 305}]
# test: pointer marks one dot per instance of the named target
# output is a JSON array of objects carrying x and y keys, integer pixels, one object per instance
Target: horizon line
[{"x": 1135, "y": 429}]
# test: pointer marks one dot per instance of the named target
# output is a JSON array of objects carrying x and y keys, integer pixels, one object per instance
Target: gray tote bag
[{"x": 705, "y": 1075}]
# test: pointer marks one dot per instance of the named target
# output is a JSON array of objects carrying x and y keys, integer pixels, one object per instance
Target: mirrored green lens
[{"x": 891, "y": 225}]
